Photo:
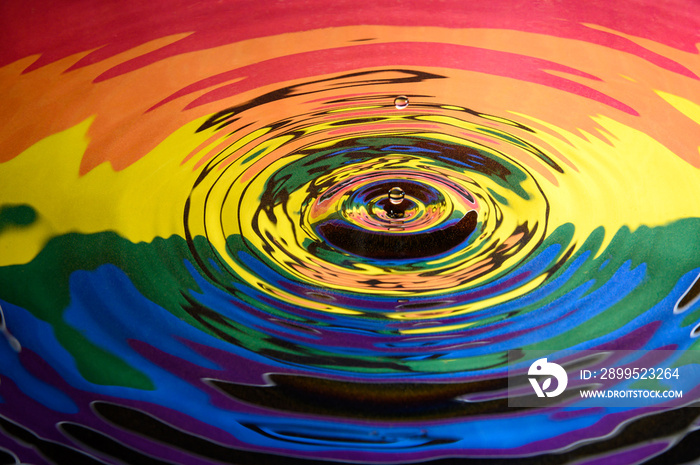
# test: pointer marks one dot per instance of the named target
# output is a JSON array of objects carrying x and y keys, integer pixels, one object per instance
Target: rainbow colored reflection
[{"x": 200, "y": 263}]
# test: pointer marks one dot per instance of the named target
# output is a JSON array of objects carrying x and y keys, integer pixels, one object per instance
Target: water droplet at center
[
  {"x": 396, "y": 207},
  {"x": 401, "y": 102},
  {"x": 396, "y": 195}
]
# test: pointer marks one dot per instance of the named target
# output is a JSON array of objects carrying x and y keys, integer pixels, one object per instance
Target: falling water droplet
[
  {"x": 396, "y": 206},
  {"x": 396, "y": 195},
  {"x": 401, "y": 102}
]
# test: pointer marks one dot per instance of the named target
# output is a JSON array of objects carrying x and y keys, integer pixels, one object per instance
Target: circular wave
[
  {"x": 312, "y": 245},
  {"x": 300, "y": 217}
]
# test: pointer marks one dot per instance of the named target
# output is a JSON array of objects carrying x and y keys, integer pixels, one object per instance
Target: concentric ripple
[
  {"x": 316, "y": 239},
  {"x": 275, "y": 198}
]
